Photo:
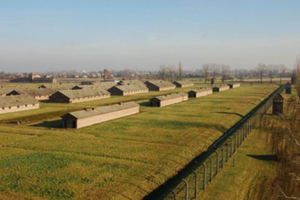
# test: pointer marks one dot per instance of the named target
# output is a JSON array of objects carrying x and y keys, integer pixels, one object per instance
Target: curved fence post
[{"x": 175, "y": 195}]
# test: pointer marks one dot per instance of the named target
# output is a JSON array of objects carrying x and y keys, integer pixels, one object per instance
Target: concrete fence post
[
  {"x": 222, "y": 155},
  {"x": 227, "y": 147},
  {"x": 217, "y": 168},
  {"x": 186, "y": 189},
  {"x": 204, "y": 176},
  {"x": 211, "y": 168},
  {"x": 196, "y": 184}
]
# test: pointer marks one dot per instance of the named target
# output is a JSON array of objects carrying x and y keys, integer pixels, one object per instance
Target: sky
[{"x": 53, "y": 35}]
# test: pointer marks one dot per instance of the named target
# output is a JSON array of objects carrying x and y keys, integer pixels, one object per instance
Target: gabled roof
[
  {"x": 35, "y": 92},
  {"x": 6, "y": 90},
  {"x": 17, "y": 100},
  {"x": 171, "y": 96},
  {"x": 278, "y": 97},
  {"x": 161, "y": 83},
  {"x": 201, "y": 90},
  {"x": 83, "y": 93},
  {"x": 184, "y": 82},
  {"x": 131, "y": 87},
  {"x": 220, "y": 86},
  {"x": 101, "y": 110},
  {"x": 58, "y": 86}
]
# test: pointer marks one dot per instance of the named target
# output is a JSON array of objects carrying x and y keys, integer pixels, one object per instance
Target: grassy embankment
[
  {"x": 256, "y": 165},
  {"x": 121, "y": 159}
]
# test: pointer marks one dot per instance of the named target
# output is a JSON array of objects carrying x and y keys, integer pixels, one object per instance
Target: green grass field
[
  {"x": 254, "y": 165},
  {"x": 122, "y": 159}
]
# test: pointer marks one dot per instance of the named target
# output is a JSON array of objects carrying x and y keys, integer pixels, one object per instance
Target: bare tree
[
  {"x": 260, "y": 69},
  {"x": 162, "y": 72},
  {"x": 180, "y": 71},
  {"x": 282, "y": 71},
  {"x": 270, "y": 69},
  {"x": 225, "y": 71},
  {"x": 205, "y": 68},
  {"x": 214, "y": 69}
]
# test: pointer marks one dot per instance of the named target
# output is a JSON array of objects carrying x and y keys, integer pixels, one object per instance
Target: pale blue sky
[{"x": 45, "y": 35}]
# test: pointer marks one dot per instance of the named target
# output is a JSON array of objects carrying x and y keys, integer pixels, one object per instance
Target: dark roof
[
  {"x": 278, "y": 97},
  {"x": 83, "y": 93},
  {"x": 101, "y": 110},
  {"x": 17, "y": 100}
]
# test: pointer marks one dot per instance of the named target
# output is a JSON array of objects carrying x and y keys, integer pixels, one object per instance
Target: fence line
[{"x": 219, "y": 153}]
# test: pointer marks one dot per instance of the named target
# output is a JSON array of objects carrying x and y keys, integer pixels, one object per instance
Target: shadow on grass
[
  {"x": 231, "y": 113},
  {"x": 146, "y": 104},
  {"x": 265, "y": 157},
  {"x": 50, "y": 124}
]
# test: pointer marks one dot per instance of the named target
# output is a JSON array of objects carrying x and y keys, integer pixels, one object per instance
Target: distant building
[
  {"x": 58, "y": 86},
  {"x": 33, "y": 78},
  {"x": 75, "y": 96},
  {"x": 182, "y": 84},
  {"x": 18, "y": 103},
  {"x": 200, "y": 92},
  {"x": 90, "y": 116},
  {"x": 168, "y": 99},
  {"x": 159, "y": 85}
]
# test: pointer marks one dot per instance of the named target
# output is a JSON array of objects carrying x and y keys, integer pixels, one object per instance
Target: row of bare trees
[
  {"x": 269, "y": 70},
  {"x": 214, "y": 69}
]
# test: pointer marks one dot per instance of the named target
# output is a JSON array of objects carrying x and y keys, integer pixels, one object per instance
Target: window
[
  {"x": 3, "y": 108},
  {"x": 9, "y": 107},
  {"x": 18, "y": 106},
  {"x": 25, "y": 105}
]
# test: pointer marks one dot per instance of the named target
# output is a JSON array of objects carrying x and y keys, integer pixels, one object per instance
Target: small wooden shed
[
  {"x": 200, "y": 92},
  {"x": 278, "y": 104},
  {"x": 288, "y": 88},
  {"x": 91, "y": 116},
  {"x": 168, "y": 99}
]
